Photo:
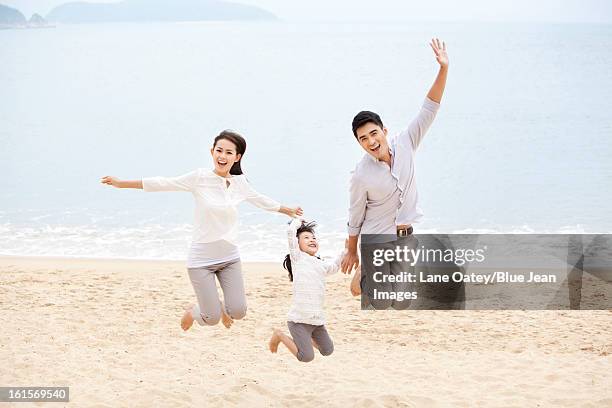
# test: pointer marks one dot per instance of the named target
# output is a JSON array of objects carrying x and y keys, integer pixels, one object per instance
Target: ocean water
[{"x": 522, "y": 142}]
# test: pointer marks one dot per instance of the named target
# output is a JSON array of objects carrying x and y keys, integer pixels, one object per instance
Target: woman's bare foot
[
  {"x": 187, "y": 319},
  {"x": 274, "y": 340},
  {"x": 225, "y": 318}
]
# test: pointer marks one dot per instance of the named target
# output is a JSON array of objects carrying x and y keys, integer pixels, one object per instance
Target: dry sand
[{"x": 110, "y": 330}]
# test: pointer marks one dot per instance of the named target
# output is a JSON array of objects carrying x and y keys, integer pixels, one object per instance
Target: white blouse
[
  {"x": 216, "y": 212},
  {"x": 309, "y": 274}
]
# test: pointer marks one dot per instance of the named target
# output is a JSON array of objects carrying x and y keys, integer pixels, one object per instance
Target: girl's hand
[
  {"x": 439, "y": 48},
  {"x": 111, "y": 181}
]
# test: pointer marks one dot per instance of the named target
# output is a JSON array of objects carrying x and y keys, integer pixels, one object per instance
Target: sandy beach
[{"x": 109, "y": 329}]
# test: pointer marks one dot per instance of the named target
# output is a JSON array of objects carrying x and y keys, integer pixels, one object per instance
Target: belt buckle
[{"x": 404, "y": 232}]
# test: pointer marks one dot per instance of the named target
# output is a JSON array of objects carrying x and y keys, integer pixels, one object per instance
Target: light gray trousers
[
  {"x": 303, "y": 335},
  {"x": 208, "y": 309}
]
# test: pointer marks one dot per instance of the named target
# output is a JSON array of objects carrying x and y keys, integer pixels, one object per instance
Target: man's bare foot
[
  {"x": 274, "y": 340},
  {"x": 225, "y": 318},
  {"x": 356, "y": 283},
  {"x": 187, "y": 319}
]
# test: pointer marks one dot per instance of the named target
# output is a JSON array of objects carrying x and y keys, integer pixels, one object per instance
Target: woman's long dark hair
[
  {"x": 240, "y": 144},
  {"x": 305, "y": 227}
]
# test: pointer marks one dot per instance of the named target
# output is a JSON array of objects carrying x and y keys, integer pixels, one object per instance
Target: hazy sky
[{"x": 381, "y": 10}]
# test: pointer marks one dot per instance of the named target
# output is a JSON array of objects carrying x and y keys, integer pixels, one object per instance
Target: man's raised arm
[
  {"x": 420, "y": 124},
  {"x": 437, "y": 89}
]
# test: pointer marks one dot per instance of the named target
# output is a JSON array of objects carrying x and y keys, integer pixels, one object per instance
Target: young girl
[
  {"x": 306, "y": 320},
  {"x": 213, "y": 253}
]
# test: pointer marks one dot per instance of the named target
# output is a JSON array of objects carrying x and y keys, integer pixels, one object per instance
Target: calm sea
[{"x": 522, "y": 143}]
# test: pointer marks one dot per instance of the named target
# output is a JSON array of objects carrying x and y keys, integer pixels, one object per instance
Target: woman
[{"x": 213, "y": 251}]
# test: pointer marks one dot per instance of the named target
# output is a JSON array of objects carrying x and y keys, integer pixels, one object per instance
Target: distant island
[
  {"x": 156, "y": 10},
  {"x": 13, "y": 18},
  {"x": 37, "y": 21}
]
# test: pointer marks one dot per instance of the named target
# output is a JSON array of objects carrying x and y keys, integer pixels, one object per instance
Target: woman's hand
[
  {"x": 111, "y": 181},
  {"x": 296, "y": 212},
  {"x": 291, "y": 212},
  {"x": 115, "y": 182},
  {"x": 439, "y": 48}
]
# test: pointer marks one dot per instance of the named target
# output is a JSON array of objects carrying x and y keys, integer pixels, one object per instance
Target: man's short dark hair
[{"x": 364, "y": 117}]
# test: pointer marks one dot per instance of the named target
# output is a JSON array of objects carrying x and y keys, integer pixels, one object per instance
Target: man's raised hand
[{"x": 439, "y": 48}]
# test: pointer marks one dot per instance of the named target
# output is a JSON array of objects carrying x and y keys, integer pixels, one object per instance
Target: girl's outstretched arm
[
  {"x": 292, "y": 240},
  {"x": 115, "y": 182}
]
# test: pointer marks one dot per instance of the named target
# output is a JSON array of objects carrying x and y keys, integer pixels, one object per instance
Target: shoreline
[{"x": 43, "y": 258}]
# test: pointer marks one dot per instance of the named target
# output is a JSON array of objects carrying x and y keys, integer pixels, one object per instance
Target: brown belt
[{"x": 404, "y": 231}]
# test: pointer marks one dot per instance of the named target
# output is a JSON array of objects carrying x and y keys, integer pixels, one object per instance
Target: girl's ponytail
[{"x": 287, "y": 266}]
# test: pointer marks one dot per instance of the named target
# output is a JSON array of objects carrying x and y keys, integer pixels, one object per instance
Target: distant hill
[
  {"x": 11, "y": 17},
  {"x": 156, "y": 10},
  {"x": 36, "y": 21}
]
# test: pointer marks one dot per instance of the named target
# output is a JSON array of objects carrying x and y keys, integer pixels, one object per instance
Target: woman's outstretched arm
[
  {"x": 185, "y": 182},
  {"x": 115, "y": 182},
  {"x": 266, "y": 203}
]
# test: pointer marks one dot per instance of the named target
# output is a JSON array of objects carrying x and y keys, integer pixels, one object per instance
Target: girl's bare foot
[
  {"x": 274, "y": 341},
  {"x": 225, "y": 318},
  {"x": 187, "y": 319}
]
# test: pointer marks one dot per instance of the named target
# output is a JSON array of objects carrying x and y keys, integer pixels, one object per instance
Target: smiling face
[
  {"x": 308, "y": 243},
  {"x": 373, "y": 139},
  {"x": 224, "y": 156}
]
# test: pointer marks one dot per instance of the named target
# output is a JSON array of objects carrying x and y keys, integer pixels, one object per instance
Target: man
[{"x": 383, "y": 193}]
